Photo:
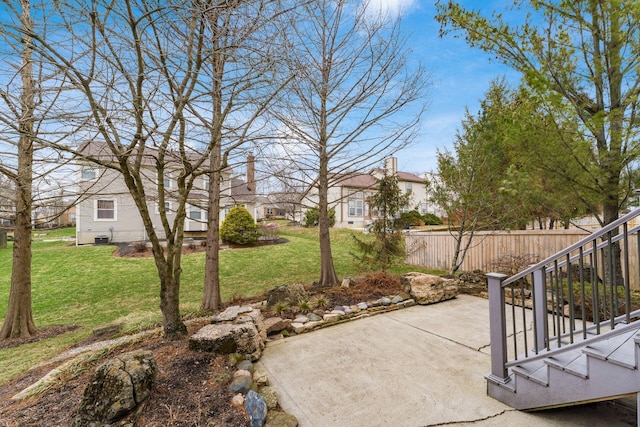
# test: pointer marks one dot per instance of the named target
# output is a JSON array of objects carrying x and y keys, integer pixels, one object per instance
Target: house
[
  {"x": 349, "y": 193},
  {"x": 107, "y": 211}
]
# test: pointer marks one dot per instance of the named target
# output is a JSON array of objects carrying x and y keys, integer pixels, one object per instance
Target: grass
[{"x": 88, "y": 286}]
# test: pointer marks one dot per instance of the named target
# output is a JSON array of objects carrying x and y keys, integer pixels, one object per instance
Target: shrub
[
  {"x": 411, "y": 218},
  {"x": 311, "y": 217},
  {"x": 431, "y": 219},
  {"x": 239, "y": 227}
]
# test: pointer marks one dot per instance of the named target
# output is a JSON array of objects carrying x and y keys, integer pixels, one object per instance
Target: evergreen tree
[{"x": 387, "y": 247}]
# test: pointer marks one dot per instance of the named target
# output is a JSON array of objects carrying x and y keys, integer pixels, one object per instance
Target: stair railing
[{"x": 577, "y": 293}]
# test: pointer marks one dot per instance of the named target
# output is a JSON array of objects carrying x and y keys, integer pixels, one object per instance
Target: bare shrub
[
  {"x": 139, "y": 247},
  {"x": 511, "y": 264}
]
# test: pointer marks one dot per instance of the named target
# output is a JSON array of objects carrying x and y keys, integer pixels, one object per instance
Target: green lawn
[{"x": 88, "y": 286}]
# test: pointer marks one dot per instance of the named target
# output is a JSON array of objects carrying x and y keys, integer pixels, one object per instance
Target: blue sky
[{"x": 460, "y": 76}]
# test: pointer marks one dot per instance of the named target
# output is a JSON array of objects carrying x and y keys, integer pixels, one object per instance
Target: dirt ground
[{"x": 191, "y": 388}]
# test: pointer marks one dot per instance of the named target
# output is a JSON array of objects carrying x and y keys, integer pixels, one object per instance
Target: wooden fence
[{"x": 435, "y": 249}]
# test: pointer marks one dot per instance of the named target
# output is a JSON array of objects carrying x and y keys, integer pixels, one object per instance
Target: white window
[
  {"x": 105, "y": 210},
  {"x": 407, "y": 187},
  {"x": 356, "y": 204},
  {"x": 88, "y": 173}
]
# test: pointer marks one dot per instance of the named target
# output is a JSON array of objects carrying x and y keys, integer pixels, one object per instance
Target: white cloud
[{"x": 389, "y": 7}]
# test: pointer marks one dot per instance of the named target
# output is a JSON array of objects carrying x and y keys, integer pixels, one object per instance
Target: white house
[{"x": 348, "y": 194}]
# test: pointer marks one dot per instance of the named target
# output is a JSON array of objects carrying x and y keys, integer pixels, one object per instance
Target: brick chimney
[{"x": 251, "y": 173}]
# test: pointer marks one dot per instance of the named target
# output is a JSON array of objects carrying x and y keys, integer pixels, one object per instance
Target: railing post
[
  {"x": 540, "y": 309},
  {"x": 497, "y": 328}
]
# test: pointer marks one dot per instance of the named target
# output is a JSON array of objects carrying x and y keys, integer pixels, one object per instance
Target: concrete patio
[{"x": 420, "y": 366}]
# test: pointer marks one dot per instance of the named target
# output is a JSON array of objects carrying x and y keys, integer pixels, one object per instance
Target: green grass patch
[{"x": 90, "y": 287}]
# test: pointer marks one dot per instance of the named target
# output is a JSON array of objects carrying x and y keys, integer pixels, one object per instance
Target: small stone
[
  {"x": 348, "y": 310},
  {"x": 237, "y": 400},
  {"x": 355, "y": 308},
  {"x": 331, "y": 317},
  {"x": 297, "y": 327},
  {"x": 385, "y": 301},
  {"x": 396, "y": 299},
  {"x": 256, "y": 408},
  {"x": 242, "y": 373},
  {"x": 261, "y": 378},
  {"x": 314, "y": 317},
  {"x": 245, "y": 365},
  {"x": 301, "y": 319},
  {"x": 241, "y": 384},
  {"x": 276, "y": 324},
  {"x": 281, "y": 419},
  {"x": 363, "y": 305},
  {"x": 312, "y": 325},
  {"x": 269, "y": 396},
  {"x": 408, "y": 303},
  {"x": 346, "y": 282}
]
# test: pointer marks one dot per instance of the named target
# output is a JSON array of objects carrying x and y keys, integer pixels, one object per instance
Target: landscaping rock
[
  {"x": 227, "y": 338},
  {"x": 291, "y": 295},
  {"x": 245, "y": 365},
  {"x": 301, "y": 319},
  {"x": 363, "y": 305},
  {"x": 241, "y": 384},
  {"x": 429, "y": 289},
  {"x": 313, "y": 317},
  {"x": 260, "y": 378},
  {"x": 231, "y": 313},
  {"x": 276, "y": 324},
  {"x": 238, "y": 400},
  {"x": 281, "y": 419},
  {"x": 269, "y": 396},
  {"x": 116, "y": 388},
  {"x": 256, "y": 409},
  {"x": 473, "y": 283}
]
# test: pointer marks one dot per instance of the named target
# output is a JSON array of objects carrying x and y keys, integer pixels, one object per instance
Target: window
[
  {"x": 356, "y": 204},
  {"x": 195, "y": 213},
  {"x": 88, "y": 173},
  {"x": 105, "y": 210},
  {"x": 407, "y": 187}
]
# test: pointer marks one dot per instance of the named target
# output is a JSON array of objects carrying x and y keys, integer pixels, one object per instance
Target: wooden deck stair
[{"x": 581, "y": 373}]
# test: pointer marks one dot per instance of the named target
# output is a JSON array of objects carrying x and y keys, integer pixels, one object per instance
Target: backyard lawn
[{"x": 89, "y": 286}]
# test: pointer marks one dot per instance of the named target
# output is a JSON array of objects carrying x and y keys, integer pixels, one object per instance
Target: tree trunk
[
  {"x": 211, "y": 299},
  {"x": 328, "y": 277},
  {"x": 18, "y": 321}
]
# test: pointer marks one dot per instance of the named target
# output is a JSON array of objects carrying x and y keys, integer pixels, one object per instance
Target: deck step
[
  {"x": 573, "y": 362},
  {"x": 604, "y": 349},
  {"x": 536, "y": 371}
]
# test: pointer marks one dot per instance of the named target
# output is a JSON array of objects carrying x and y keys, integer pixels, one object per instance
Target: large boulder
[
  {"x": 428, "y": 288},
  {"x": 117, "y": 387},
  {"x": 291, "y": 295},
  {"x": 227, "y": 338}
]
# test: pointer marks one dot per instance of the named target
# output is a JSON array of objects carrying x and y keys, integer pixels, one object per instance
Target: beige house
[
  {"x": 349, "y": 193},
  {"x": 108, "y": 214}
]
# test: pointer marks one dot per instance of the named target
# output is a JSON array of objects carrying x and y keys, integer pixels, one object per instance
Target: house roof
[
  {"x": 402, "y": 176},
  {"x": 101, "y": 152},
  {"x": 358, "y": 181}
]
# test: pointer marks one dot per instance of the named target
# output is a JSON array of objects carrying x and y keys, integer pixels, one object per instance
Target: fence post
[
  {"x": 540, "y": 309},
  {"x": 497, "y": 328},
  {"x": 3, "y": 239}
]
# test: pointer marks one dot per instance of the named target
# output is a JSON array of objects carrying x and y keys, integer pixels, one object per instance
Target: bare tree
[
  {"x": 134, "y": 66},
  {"x": 355, "y": 98},
  {"x": 19, "y": 318},
  {"x": 241, "y": 72}
]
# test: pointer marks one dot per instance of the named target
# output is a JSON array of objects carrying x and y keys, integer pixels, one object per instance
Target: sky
[{"x": 460, "y": 76}]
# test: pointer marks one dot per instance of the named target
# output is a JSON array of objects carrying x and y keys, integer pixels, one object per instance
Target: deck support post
[
  {"x": 498, "y": 328},
  {"x": 540, "y": 309}
]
